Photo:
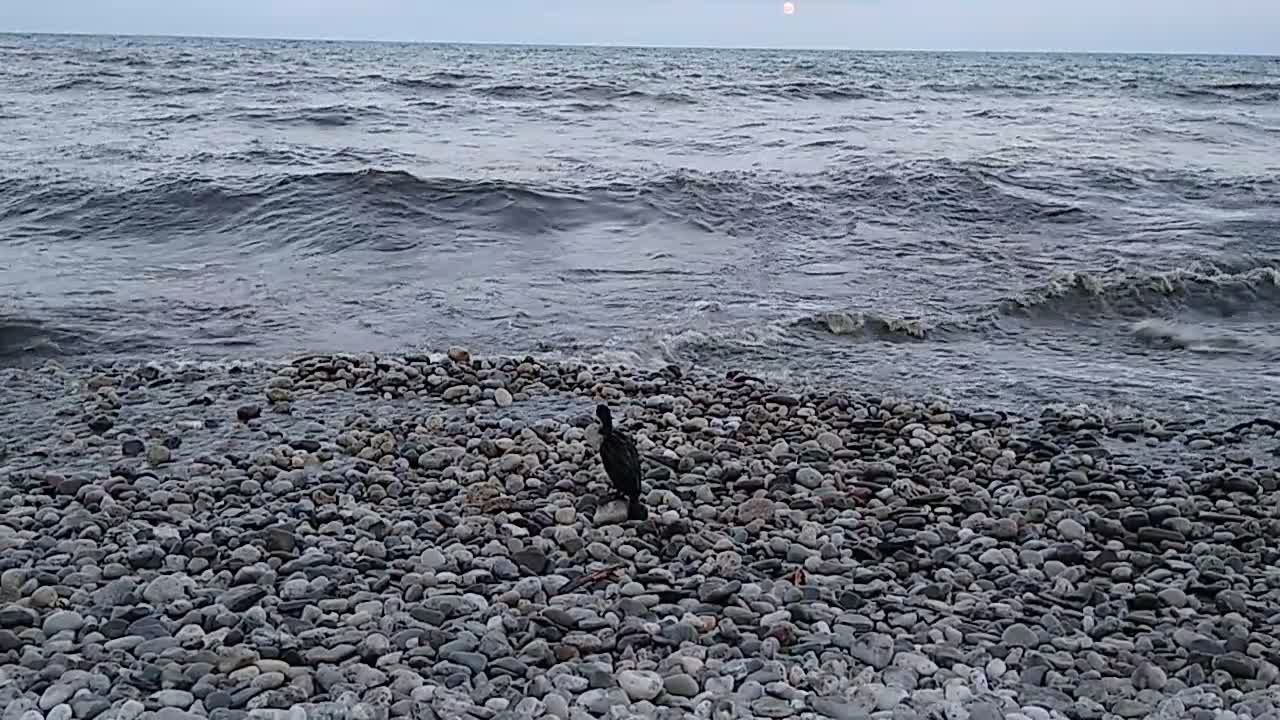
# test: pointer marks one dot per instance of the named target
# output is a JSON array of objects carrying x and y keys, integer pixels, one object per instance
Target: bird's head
[{"x": 602, "y": 412}]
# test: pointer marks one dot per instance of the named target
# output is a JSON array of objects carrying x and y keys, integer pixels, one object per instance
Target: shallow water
[{"x": 1009, "y": 230}]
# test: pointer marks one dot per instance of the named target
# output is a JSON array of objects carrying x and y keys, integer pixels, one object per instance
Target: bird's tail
[{"x": 636, "y": 509}]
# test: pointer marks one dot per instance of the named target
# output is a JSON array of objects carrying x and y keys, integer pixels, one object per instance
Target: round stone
[
  {"x": 1071, "y": 530},
  {"x": 640, "y": 684}
]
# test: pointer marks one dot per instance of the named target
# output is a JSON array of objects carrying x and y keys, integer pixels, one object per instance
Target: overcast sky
[{"x": 1226, "y": 26}]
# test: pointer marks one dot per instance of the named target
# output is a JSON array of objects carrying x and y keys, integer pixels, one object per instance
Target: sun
[{"x": 788, "y": 8}]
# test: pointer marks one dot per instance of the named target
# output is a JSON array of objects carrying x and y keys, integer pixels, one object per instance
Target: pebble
[
  {"x": 386, "y": 542},
  {"x": 62, "y": 621},
  {"x": 681, "y": 685},
  {"x": 1020, "y": 636},
  {"x": 639, "y": 684},
  {"x": 1071, "y": 530}
]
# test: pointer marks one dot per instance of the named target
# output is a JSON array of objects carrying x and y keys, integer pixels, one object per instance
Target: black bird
[{"x": 621, "y": 463}]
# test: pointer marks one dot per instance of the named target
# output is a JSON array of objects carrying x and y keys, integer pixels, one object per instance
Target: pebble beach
[{"x": 369, "y": 537}]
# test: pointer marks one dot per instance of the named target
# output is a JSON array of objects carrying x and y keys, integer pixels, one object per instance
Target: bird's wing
[
  {"x": 633, "y": 455},
  {"x": 621, "y": 460}
]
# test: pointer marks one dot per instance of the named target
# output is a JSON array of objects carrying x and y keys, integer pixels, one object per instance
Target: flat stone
[
  {"x": 640, "y": 684},
  {"x": 17, "y": 617},
  {"x": 532, "y": 560},
  {"x": 473, "y": 661},
  {"x": 61, "y": 621},
  {"x": 759, "y": 508},
  {"x": 681, "y": 685},
  {"x": 1237, "y": 664},
  {"x": 985, "y": 711},
  {"x": 329, "y": 656},
  {"x": 874, "y": 649},
  {"x": 173, "y": 698},
  {"x": 830, "y": 441},
  {"x": 838, "y": 709},
  {"x": 166, "y": 589},
  {"x": 1127, "y": 708},
  {"x": 240, "y": 598},
  {"x": 1071, "y": 530},
  {"x": 772, "y": 707},
  {"x": 1019, "y": 635},
  {"x": 610, "y": 513},
  {"x": 56, "y": 694},
  {"x": 88, "y": 707}
]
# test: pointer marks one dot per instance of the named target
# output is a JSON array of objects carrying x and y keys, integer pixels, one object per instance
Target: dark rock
[
  {"x": 329, "y": 656},
  {"x": 532, "y": 560},
  {"x": 280, "y": 539},
  {"x": 242, "y": 597},
  {"x": 242, "y": 696},
  {"x": 473, "y": 661},
  {"x": 560, "y": 617},
  {"x": 680, "y": 632},
  {"x": 151, "y": 627},
  {"x": 1237, "y": 664},
  {"x": 780, "y": 399},
  {"x": 217, "y": 699},
  {"x": 718, "y": 593},
  {"x": 17, "y": 617},
  {"x": 146, "y": 557},
  {"x": 1159, "y": 535},
  {"x": 9, "y": 641}
]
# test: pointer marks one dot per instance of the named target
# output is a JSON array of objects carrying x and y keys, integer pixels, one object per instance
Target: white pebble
[{"x": 640, "y": 684}]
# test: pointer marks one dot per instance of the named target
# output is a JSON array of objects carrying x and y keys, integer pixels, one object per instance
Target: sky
[{"x": 1211, "y": 26}]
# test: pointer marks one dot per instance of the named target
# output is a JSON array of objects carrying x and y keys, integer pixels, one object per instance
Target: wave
[
  {"x": 442, "y": 80},
  {"x": 1178, "y": 309},
  {"x": 279, "y": 205},
  {"x": 24, "y": 340},
  {"x": 799, "y": 90},
  {"x": 93, "y": 332},
  {"x": 988, "y": 88},
  {"x": 320, "y": 116},
  {"x": 1142, "y": 295},
  {"x": 587, "y": 107},
  {"x": 868, "y": 326},
  {"x": 587, "y": 92},
  {"x": 165, "y": 90},
  {"x": 1166, "y": 334},
  {"x": 1244, "y": 93},
  {"x": 80, "y": 83},
  {"x": 957, "y": 192},
  {"x": 325, "y": 211},
  {"x": 1245, "y": 85}
]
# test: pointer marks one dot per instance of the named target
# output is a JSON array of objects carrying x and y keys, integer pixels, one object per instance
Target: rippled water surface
[{"x": 1001, "y": 229}]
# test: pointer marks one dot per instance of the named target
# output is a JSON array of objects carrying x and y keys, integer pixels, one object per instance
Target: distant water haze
[
  {"x": 1223, "y": 26},
  {"x": 1008, "y": 230}
]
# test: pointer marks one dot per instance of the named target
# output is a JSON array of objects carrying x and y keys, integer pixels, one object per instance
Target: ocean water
[{"x": 997, "y": 229}]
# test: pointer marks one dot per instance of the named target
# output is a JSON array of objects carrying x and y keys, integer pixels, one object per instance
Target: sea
[{"x": 1008, "y": 231}]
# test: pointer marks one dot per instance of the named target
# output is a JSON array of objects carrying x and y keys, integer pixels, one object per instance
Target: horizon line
[{"x": 628, "y": 46}]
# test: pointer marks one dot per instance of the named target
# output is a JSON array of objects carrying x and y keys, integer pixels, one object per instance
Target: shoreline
[
  {"x": 363, "y": 539},
  {"x": 1121, "y": 414}
]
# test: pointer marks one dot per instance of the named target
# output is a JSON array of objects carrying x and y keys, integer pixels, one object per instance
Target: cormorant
[{"x": 621, "y": 463}]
